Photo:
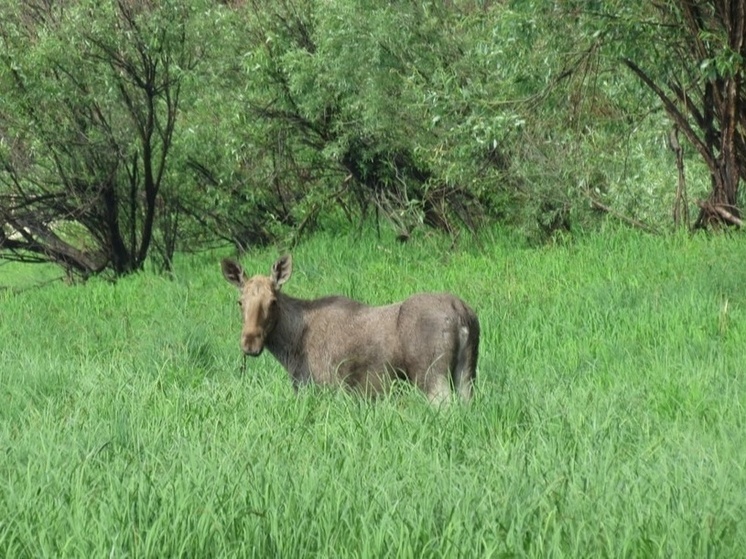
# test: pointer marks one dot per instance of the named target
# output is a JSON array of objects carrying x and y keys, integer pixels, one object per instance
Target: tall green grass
[{"x": 609, "y": 418}]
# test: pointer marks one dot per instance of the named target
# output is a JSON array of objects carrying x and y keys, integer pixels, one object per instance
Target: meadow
[{"x": 609, "y": 418}]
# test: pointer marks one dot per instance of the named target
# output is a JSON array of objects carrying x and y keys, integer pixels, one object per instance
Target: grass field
[{"x": 609, "y": 420}]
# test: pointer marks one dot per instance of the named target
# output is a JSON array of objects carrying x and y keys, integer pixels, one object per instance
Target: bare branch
[
  {"x": 679, "y": 119},
  {"x": 721, "y": 211},
  {"x": 621, "y": 217}
]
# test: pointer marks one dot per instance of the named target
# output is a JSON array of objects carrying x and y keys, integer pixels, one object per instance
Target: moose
[{"x": 430, "y": 339}]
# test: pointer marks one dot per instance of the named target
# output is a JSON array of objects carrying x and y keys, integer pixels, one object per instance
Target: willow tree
[
  {"x": 702, "y": 90},
  {"x": 90, "y": 97}
]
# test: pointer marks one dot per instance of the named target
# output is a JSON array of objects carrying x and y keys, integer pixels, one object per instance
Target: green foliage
[
  {"x": 461, "y": 113},
  {"x": 92, "y": 100},
  {"x": 306, "y": 114},
  {"x": 695, "y": 71},
  {"x": 608, "y": 419}
]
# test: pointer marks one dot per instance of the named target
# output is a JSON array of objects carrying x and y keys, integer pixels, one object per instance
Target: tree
[
  {"x": 702, "y": 90},
  {"x": 87, "y": 124},
  {"x": 348, "y": 125}
]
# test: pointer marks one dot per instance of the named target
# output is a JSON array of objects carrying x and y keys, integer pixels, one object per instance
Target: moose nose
[{"x": 252, "y": 344}]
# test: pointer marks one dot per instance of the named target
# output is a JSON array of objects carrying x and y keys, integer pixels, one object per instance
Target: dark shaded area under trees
[{"x": 131, "y": 130}]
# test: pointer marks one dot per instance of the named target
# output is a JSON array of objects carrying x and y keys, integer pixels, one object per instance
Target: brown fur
[{"x": 429, "y": 339}]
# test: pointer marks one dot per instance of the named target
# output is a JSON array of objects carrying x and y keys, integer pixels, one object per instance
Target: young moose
[{"x": 430, "y": 339}]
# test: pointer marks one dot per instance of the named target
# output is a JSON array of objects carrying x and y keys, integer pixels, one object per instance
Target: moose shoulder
[{"x": 429, "y": 339}]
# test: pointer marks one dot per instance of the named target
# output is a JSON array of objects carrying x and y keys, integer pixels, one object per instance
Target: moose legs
[{"x": 435, "y": 382}]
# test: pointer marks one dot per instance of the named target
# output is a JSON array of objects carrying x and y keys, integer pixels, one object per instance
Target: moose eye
[{"x": 239, "y": 303}]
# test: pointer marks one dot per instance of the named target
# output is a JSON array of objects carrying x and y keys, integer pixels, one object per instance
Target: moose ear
[
  {"x": 232, "y": 271},
  {"x": 281, "y": 270}
]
